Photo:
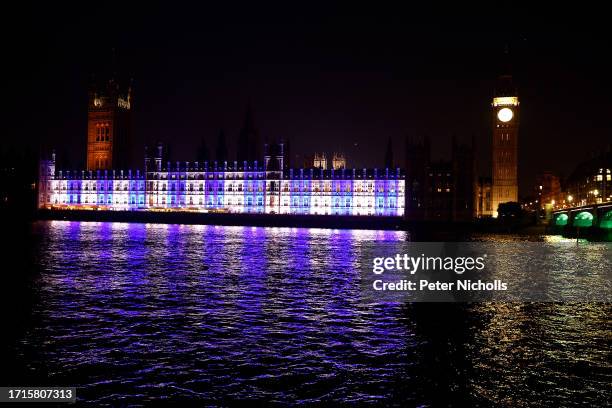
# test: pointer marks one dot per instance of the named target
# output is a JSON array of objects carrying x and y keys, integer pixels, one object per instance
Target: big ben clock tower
[{"x": 505, "y": 110}]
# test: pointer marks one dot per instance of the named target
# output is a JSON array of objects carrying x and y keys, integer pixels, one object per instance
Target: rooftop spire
[
  {"x": 505, "y": 68},
  {"x": 248, "y": 118}
]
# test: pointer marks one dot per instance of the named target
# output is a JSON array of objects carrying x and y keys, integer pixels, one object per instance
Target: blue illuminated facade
[{"x": 226, "y": 187}]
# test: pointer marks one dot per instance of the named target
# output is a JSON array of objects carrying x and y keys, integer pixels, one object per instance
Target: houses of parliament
[{"x": 262, "y": 180}]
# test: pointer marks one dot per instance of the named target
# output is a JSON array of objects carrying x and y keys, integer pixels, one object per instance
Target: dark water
[{"x": 133, "y": 314}]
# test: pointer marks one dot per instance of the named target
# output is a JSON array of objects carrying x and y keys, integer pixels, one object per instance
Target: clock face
[{"x": 505, "y": 114}]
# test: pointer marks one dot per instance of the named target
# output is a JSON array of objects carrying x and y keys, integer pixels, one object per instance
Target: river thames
[{"x": 132, "y": 314}]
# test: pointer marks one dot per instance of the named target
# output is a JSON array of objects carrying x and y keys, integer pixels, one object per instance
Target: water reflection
[{"x": 131, "y": 313}]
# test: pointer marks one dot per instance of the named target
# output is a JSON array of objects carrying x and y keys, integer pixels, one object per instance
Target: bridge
[{"x": 592, "y": 215}]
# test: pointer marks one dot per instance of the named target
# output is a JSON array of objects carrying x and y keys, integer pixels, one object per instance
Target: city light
[
  {"x": 505, "y": 101},
  {"x": 505, "y": 114},
  {"x": 347, "y": 192}
]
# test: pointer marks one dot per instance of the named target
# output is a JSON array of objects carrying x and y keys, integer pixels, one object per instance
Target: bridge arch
[
  {"x": 561, "y": 219},
  {"x": 583, "y": 219},
  {"x": 606, "y": 220}
]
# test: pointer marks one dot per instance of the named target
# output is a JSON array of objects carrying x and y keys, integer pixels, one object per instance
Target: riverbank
[
  {"x": 419, "y": 230},
  {"x": 255, "y": 220}
]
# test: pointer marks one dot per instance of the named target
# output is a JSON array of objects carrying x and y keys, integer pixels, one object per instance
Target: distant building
[
  {"x": 547, "y": 189},
  {"x": 442, "y": 190},
  {"x": 417, "y": 165},
  {"x": 222, "y": 187},
  {"x": 589, "y": 183},
  {"x": 484, "y": 203},
  {"x": 256, "y": 186},
  {"x": 464, "y": 182},
  {"x": 439, "y": 201},
  {"x": 109, "y": 126},
  {"x": 249, "y": 145},
  {"x": 505, "y": 115},
  {"x": 338, "y": 161},
  {"x": 319, "y": 161}
]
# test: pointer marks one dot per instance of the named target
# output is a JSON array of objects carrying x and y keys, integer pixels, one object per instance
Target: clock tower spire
[
  {"x": 505, "y": 115},
  {"x": 108, "y": 125}
]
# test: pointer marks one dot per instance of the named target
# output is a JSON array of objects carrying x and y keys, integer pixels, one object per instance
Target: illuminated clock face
[{"x": 505, "y": 114}]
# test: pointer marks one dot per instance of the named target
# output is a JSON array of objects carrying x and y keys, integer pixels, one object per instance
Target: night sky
[{"x": 329, "y": 79}]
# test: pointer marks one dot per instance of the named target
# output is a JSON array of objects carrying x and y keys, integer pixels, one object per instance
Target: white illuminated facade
[{"x": 211, "y": 187}]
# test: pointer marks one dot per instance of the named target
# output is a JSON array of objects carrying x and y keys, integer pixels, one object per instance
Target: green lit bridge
[{"x": 598, "y": 216}]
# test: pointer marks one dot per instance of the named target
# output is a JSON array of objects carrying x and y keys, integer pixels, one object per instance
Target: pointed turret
[{"x": 389, "y": 154}]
